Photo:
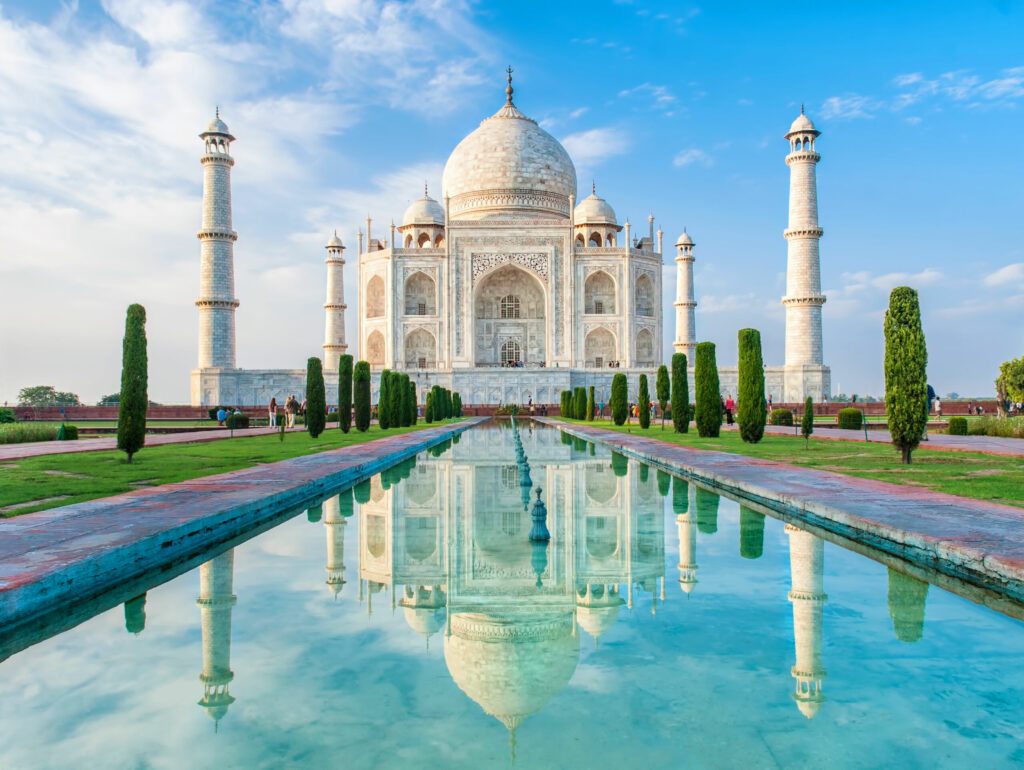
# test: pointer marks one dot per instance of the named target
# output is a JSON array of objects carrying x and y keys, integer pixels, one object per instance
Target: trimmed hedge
[
  {"x": 619, "y": 403},
  {"x": 590, "y": 404},
  {"x": 345, "y": 393},
  {"x": 750, "y": 412},
  {"x": 957, "y": 426},
  {"x": 642, "y": 403},
  {"x": 781, "y": 417},
  {"x": 237, "y": 421},
  {"x": 316, "y": 397},
  {"x": 709, "y": 397},
  {"x": 850, "y": 418},
  {"x": 680, "y": 394},
  {"x": 361, "y": 395}
]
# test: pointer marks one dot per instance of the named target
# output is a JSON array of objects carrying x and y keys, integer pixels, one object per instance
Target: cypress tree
[
  {"x": 131, "y": 412},
  {"x": 643, "y": 400},
  {"x": 580, "y": 403},
  {"x": 680, "y": 394},
  {"x": 449, "y": 410},
  {"x": 709, "y": 396},
  {"x": 564, "y": 410},
  {"x": 906, "y": 361},
  {"x": 807, "y": 421},
  {"x": 384, "y": 400},
  {"x": 590, "y": 404},
  {"x": 751, "y": 410},
  {"x": 661, "y": 387},
  {"x": 361, "y": 395},
  {"x": 428, "y": 410},
  {"x": 456, "y": 405},
  {"x": 396, "y": 407},
  {"x": 316, "y": 398},
  {"x": 345, "y": 393},
  {"x": 410, "y": 387},
  {"x": 619, "y": 403}
]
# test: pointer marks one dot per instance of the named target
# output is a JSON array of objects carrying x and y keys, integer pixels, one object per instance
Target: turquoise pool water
[{"x": 409, "y": 623}]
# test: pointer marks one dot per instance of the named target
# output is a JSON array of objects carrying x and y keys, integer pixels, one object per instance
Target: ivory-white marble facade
[{"x": 506, "y": 289}]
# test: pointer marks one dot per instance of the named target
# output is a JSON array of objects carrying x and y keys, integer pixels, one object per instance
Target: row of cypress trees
[
  {"x": 396, "y": 403},
  {"x": 442, "y": 404}
]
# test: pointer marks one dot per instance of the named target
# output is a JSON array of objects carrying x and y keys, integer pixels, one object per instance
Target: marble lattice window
[{"x": 509, "y": 306}]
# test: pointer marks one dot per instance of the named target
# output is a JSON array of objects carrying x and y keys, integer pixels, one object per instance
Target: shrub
[
  {"x": 7, "y": 416},
  {"x": 619, "y": 403},
  {"x": 1002, "y": 427},
  {"x": 709, "y": 397},
  {"x": 750, "y": 411},
  {"x": 213, "y": 411},
  {"x": 345, "y": 393},
  {"x": 456, "y": 405},
  {"x": 361, "y": 395},
  {"x": 590, "y": 404},
  {"x": 237, "y": 421},
  {"x": 333, "y": 416},
  {"x": 67, "y": 433},
  {"x": 807, "y": 421},
  {"x": 131, "y": 413},
  {"x": 781, "y": 417},
  {"x": 21, "y": 432},
  {"x": 316, "y": 397},
  {"x": 957, "y": 426},
  {"x": 643, "y": 401},
  {"x": 850, "y": 418},
  {"x": 906, "y": 361},
  {"x": 680, "y": 393}
]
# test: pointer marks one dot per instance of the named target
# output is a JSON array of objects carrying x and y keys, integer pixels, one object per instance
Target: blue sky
[{"x": 345, "y": 107}]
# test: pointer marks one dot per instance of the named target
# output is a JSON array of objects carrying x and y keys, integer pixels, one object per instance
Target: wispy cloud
[
  {"x": 849, "y": 106},
  {"x": 653, "y": 96},
  {"x": 692, "y": 156},
  {"x": 1010, "y": 274},
  {"x": 591, "y": 147}
]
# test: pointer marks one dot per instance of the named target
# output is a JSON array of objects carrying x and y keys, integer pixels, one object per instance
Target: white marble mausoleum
[{"x": 507, "y": 288}]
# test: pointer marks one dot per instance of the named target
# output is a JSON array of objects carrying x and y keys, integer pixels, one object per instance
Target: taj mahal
[{"x": 507, "y": 289}]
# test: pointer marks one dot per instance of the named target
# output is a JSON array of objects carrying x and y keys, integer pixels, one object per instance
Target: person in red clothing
[{"x": 730, "y": 408}]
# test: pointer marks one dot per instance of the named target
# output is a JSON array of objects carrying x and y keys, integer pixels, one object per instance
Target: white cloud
[
  {"x": 657, "y": 97},
  {"x": 591, "y": 147},
  {"x": 1009, "y": 274},
  {"x": 848, "y": 107},
  {"x": 692, "y": 156}
]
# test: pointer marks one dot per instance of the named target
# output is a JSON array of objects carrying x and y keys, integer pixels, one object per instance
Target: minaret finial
[{"x": 508, "y": 88}]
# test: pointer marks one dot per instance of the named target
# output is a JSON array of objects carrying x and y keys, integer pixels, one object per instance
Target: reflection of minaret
[
  {"x": 684, "y": 506},
  {"x": 335, "y": 525},
  {"x": 806, "y": 564},
  {"x": 215, "y": 602}
]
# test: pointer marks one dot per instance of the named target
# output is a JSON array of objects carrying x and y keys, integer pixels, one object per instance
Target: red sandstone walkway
[
  {"x": 38, "y": 448},
  {"x": 972, "y": 540},
  {"x": 66, "y": 555}
]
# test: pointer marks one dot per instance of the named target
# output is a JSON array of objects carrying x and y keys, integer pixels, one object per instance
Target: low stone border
[
  {"x": 64, "y": 556},
  {"x": 970, "y": 540}
]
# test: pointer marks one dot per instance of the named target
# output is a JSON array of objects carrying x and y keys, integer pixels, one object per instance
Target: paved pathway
[
  {"x": 990, "y": 445},
  {"x": 63, "y": 556},
  {"x": 973, "y": 540},
  {"x": 37, "y": 448}
]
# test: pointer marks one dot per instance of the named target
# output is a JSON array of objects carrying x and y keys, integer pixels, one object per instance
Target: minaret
[
  {"x": 685, "y": 304},
  {"x": 803, "y": 298},
  {"x": 217, "y": 301},
  {"x": 806, "y": 564},
  {"x": 684, "y": 505},
  {"x": 215, "y": 602},
  {"x": 334, "y": 306},
  {"x": 335, "y": 525}
]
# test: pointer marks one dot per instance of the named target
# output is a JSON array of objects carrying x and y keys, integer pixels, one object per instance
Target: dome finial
[
  {"x": 593, "y": 187},
  {"x": 217, "y": 111},
  {"x": 802, "y": 108},
  {"x": 426, "y": 192},
  {"x": 508, "y": 88}
]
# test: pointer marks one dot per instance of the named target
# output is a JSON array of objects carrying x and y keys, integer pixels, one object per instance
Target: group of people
[
  {"x": 292, "y": 407},
  {"x": 226, "y": 411}
]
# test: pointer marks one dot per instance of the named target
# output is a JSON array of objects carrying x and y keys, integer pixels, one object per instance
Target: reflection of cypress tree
[
  {"x": 751, "y": 533},
  {"x": 906, "y": 605},
  {"x": 315, "y": 512},
  {"x": 645, "y": 473},
  {"x": 566, "y": 439},
  {"x": 620, "y": 464},
  {"x": 680, "y": 496},
  {"x": 345, "y": 503},
  {"x": 579, "y": 444},
  {"x": 362, "y": 492},
  {"x": 664, "y": 482},
  {"x": 456, "y": 436},
  {"x": 707, "y": 511},
  {"x": 135, "y": 614},
  {"x": 593, "y": 449}
]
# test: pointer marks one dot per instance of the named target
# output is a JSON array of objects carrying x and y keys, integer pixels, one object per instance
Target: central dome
[{"x": 509, "y": 168}]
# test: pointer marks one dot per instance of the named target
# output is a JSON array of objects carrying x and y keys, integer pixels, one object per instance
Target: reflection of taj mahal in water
[{"x": 444, "y": 539}]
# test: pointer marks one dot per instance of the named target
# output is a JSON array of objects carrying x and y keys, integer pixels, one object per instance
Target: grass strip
[
  {"x": 967, "y": 474},
  {"x": 48, "y": 481}
]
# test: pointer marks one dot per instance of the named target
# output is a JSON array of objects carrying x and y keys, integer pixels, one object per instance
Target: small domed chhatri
[
  {"x": 424, "y": 211},
  {"x": 594, "y": 210},
  {"x": 802, "y": 124}
]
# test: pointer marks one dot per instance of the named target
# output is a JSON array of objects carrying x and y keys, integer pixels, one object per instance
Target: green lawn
[
  {"x": 44, "y": 482},
  {"x": 969, "y": 474}
]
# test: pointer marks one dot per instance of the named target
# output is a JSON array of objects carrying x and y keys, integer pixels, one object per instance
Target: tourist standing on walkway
[
  {"x": 291, "y": 408},
  {"x": 730, "y": 407},
  {"x": 769, "y": 402},
  {"x": 938, "y": 406},
  {"x": 272, "y": 413},
  {"x": 222, "y": 415}
]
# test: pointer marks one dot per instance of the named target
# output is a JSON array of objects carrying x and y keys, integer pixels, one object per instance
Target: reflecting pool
[{"x": 408, "y": 622}]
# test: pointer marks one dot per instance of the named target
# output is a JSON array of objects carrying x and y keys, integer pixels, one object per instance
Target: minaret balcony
[
  {"x": 217, "y": 234},
  {"x": 814, "y": 299},
  {"x": 802, "y": 232},
  {"x": 804, "y": 155}
]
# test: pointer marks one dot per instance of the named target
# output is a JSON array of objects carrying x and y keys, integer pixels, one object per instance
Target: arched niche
[
  {"x": 420, "y": 294},
  {"x": 599, "y": 294},
  {"x": 375, "y": 297},
  {"x": 420, "y": 350}
]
